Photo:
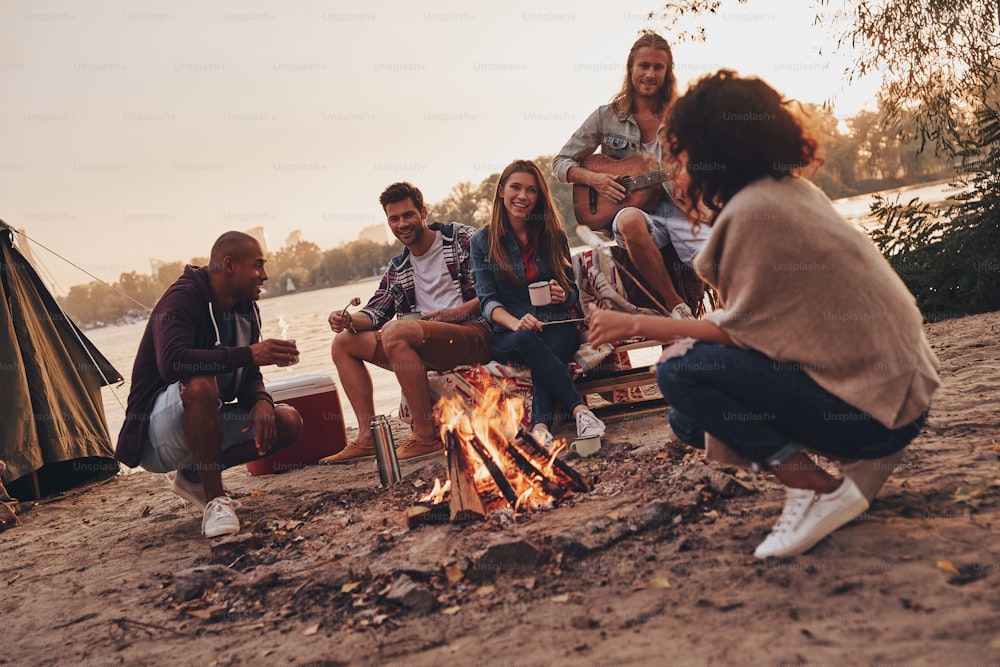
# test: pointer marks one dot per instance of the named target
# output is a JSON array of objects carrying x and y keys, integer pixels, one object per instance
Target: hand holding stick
[
  {"x": 354, "y": 302},
  {"x": 339, "y": 320}
]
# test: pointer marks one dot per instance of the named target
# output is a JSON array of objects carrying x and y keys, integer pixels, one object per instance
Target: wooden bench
[
  {"x": 618, "y": 380},
  {"x": 603, "y": 382}
]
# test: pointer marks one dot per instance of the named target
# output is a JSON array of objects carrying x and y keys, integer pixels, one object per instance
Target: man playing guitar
[{"x": 625, "y": 128}]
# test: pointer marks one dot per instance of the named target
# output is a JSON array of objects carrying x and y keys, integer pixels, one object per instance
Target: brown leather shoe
[
  {"x": 352, "y": 452},
  {"x": 411, "y": 449}
]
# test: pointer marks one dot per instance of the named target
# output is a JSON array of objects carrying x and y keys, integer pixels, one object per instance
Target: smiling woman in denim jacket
[{"x": 523, "y": 244}]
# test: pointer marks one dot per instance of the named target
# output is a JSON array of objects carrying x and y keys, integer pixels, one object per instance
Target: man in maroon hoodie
[{"x": 197, "y": 403}]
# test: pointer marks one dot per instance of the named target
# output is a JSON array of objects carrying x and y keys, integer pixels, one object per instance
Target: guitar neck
[{"x": 644, "y": 180}]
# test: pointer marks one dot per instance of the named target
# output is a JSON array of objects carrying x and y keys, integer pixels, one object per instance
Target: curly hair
[
  {"x": 544, "y": 225},
  {"x": 734, "y": 131}
]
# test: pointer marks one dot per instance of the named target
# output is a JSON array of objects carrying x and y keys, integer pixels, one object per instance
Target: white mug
[
  {"x": 540, "y": 293},
  {"x": 586, "y": 446}
]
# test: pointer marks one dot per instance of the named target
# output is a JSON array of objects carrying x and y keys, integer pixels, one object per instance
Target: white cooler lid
[{"x": 300, "y": 385}]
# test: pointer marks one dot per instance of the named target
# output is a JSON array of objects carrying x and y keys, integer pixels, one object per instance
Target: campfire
[{"x": 493, "y": 462}]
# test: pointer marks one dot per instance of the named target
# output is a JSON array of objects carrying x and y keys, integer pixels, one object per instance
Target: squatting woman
[{"x": 818, "y": 347}]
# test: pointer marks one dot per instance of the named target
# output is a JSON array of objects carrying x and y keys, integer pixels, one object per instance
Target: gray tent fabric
[{"x": 52, "y": 415}]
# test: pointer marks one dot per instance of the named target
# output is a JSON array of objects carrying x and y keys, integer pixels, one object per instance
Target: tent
[{"x": 53, "y": 433}]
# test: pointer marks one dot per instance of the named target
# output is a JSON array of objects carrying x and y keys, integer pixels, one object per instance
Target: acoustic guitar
[{"x": 641, "y": 178}]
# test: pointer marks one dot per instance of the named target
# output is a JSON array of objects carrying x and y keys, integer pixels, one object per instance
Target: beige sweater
[{"x": 803, "y": 286}]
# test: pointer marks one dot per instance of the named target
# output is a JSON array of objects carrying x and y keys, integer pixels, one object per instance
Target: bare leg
[
  {"x": 631, "y": 225},
  {"x": 349, "y": 352},
  {"x": 203, "y": 431},
  {"x": 289, "y": 424},
  {"x": 399, "y": 339},
  {"x": 801, "y": 472}
]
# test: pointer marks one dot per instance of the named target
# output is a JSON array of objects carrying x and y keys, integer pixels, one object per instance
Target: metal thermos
[{"x": 385, "y": 451}]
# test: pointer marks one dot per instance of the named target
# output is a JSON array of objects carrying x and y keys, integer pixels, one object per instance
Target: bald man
[{"x": 197, "y": 404}]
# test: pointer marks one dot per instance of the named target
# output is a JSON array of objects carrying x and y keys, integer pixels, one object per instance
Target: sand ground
[{"x": 654, "y": 566}]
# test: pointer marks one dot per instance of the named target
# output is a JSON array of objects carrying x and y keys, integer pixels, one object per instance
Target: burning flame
[
  {"x": 283, "y": 325},
  {"x": 438, "y": 493},
  {"x": 503, "y": 454}
]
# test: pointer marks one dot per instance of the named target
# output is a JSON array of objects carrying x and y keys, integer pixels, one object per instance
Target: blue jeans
[
  {"x": 766, "y": 410},
  {"x": 546, "y": 355}
]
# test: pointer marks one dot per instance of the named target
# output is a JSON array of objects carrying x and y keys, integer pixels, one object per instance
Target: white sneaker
[
  {"x": 542, "y": 434},
  {"x": 588, "y": 425},
  {"x": 192, "y": 492},
  {"x": 870, "y": 474},
  {"x": 797, "y": 501},
  {"x": 811, "y": 517},
  {"x": 682, "y": 312},
  {"x": 220, "y": 518}
]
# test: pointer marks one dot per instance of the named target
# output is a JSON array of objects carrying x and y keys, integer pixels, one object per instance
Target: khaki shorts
[
  {"x": 167, "y": 449},
  {"x": 446, "y": 345}
]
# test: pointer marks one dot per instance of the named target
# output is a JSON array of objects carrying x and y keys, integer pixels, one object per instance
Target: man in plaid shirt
[{"x": 430, "y": 287}]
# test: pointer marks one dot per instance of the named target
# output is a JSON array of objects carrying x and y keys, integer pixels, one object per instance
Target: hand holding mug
[
  {"x": 294, "y": 352},
  {"x": 275, "y": 351},
  {"x": 558, "y": 293}
]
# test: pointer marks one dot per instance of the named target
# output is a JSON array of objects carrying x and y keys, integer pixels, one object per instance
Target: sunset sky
[{"x": 133, "y": 131}]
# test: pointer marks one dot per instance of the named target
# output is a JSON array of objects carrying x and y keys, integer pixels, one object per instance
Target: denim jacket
[
  {"x": 493, "y": 291},
  {"x": 617, "y": 136}
]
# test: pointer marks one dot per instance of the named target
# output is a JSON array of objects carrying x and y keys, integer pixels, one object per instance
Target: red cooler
[{"x": 323, "y": 432}]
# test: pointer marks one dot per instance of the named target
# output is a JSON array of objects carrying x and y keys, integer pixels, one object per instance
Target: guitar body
[{"x": 641, "y": 177}]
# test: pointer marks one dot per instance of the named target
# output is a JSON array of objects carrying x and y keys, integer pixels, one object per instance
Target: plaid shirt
[{"x": 396, "y": 294}]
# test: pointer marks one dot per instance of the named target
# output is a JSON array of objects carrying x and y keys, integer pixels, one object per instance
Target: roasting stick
[
  {"x": 356, "y": 301},
  {"x": 645, "y": 291},
  {"x": 578, "y": 319}
]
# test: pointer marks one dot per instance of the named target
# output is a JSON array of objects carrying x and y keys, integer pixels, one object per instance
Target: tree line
[
  {"x": 303, "y": 265},
  {"x": 939, "y": 65}
]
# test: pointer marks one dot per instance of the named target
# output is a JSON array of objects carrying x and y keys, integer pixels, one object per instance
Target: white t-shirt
[{"x": 431, "y": 280}]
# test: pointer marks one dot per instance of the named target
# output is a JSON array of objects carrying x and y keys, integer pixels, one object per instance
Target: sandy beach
[{"x": 654, "y": 566}]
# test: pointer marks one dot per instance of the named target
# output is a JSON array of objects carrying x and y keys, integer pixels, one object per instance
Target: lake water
[
  {"x": 305, "y": 315},
  {"x": 856, "y": 209}
]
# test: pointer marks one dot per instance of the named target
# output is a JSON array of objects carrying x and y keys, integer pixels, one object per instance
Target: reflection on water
[
  {"x": 857, "y": 208},
  {"x": 305, "y": 315}
]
